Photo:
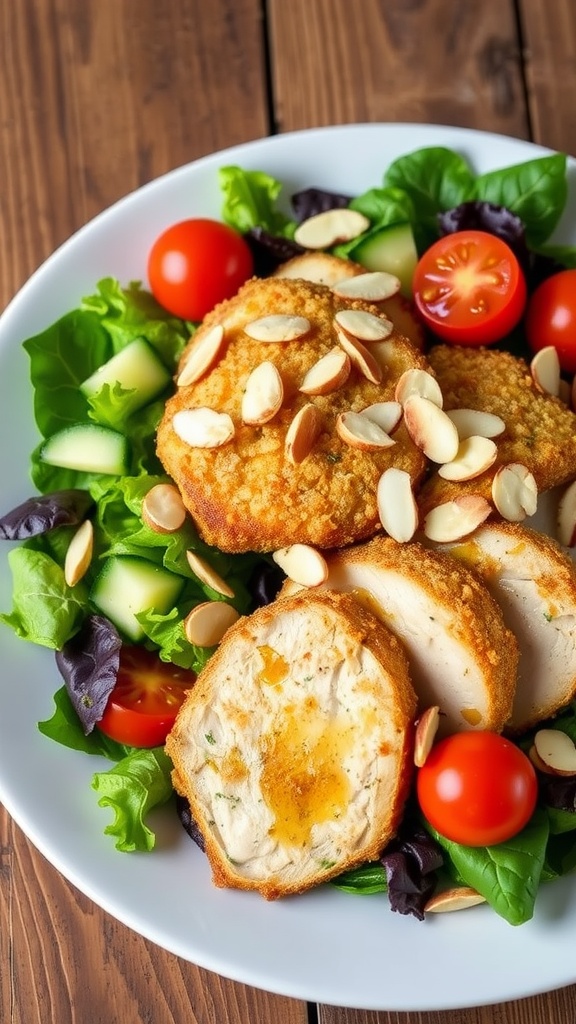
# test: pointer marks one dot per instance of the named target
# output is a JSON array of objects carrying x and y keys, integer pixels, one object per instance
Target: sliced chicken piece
[
  {"x": 295, "y": 746},
  {"x": 534, "y": 582},
  {"x": 324, "y": 268},
  {"x": 462, "y": 656}
]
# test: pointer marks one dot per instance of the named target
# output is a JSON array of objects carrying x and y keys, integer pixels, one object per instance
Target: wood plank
[
  {"x": 549, "y": 31},
  {"x": 123, "y": 92},
  {"x": 339, "y": 61},
  {"x": 546, "y": 1009},
  {"x": 86, "y": 967},
  {"x": 95, "y": 100}
]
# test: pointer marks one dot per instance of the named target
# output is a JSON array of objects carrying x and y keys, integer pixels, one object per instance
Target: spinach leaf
[
  {"x": 507, "y": 875},
  {"x": 65, "y": 727},
  {"x": 141, "y": 781},
  {"x": 435, "y": 179},
  {"x": 367, "y": 879},
  {"x": 535, "y": 190}
]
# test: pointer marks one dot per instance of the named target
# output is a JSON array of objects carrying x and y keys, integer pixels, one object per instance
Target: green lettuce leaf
[
  {"x": 131, "y": 789},
  {"x": 250, "y": 200},
  {"x": 46, "y": 611}
]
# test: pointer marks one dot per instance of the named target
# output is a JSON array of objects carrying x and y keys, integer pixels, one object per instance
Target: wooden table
[{"x": 96, "y": 98}]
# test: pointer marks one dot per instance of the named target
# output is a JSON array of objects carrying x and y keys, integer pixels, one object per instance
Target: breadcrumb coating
[{"x": 247, "y": 495}]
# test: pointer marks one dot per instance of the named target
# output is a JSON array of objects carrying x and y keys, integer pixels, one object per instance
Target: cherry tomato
[
  {"x": 469, "y": 288},
  {"x": 195, "y": 264},
  {"x": 551, "y": 317},
  {"x": 477, "y": 788},
  {"x": 145, "y": 700}
]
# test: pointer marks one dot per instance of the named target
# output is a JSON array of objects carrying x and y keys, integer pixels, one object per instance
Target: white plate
[{"x": 326, "y": 946}]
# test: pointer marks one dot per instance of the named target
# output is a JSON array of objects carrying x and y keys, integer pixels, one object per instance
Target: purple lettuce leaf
[
  {"x": 88, "y": 664},
  {"x": 45, "y": 512},
  {"x": 410, "y": 862}
]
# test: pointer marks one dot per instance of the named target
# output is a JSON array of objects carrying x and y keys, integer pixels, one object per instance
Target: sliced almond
[
  {"x": 206, "y": 574},
  {"x": 163, "y": 509},
  {"x": 328, "y": 374},
  {"x": 278, "y": 327},
  {"x": 545, "y": 370},
  {"x": 418, "y": 382},
  {"x": 425, "y": 734},
  {"x": 203, "y": 427},
  {"x": 302, "y": 433},
  {"x": 458, "y": 898},
  {"x": 456, "y": 519},
  {"x": 79, "y": 553},
  {"x": 375, "y": 286},
  {"x": 514, "y": 492},
  {"x": 263, "y": 394},
  {"x": 397, "y": 507},
  {"x": 359, "y": 431},
  {"x": 565, "y": 391},
  {"x": 539, "y": 763},
  {"x": 431, "y": 429},
  {"x": 330, "y": 227},
  {"x": 474, "y": 456},
  {"x": 360, "y": 357},
  {"x": 363, "y": 325},
  {"x": 207, "y": 623},
  {"x": 386, "y": 414},
  {"x": 303, "y": 564},
  {"x": 469, "y": 422},
  {"x": 203, "y": 353},
  {"x": 556, "y": 750},
  {"x": 566, "y": 517}
]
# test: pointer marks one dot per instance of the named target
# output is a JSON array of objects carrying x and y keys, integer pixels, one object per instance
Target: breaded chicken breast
[
  {"x": 284, "y": 480},
  {"x": 540, "y": 430},
  {"x": 324, "y": 268},
  {"x": 295, "y": 746},
  {"x": 534, "y": 582},
  {"x": 462, "y": 656}
]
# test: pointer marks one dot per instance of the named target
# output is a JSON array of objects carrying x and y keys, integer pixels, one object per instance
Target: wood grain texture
[
  {"x": 549, "y": 32},
  {"x": 339, "y": 61},
  {"x": 99, "y": 98},
  {"x": 65, "y": 961},
  {"x": 553, "y": 1008}
]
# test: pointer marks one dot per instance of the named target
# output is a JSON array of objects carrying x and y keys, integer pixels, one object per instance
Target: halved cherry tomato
[
  {"x": 551, "y": 317},
  {"x": 146, "y": 698},
  {"x": 195, "y": 264},
  {"x": 469, "y": 288},
  {"x": 477, "y": 788}
]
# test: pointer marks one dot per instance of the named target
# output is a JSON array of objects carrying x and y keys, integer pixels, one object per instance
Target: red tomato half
[
  {"x": 469, "y": 288},
  {"x": 477, "y": 788},
  {"x": 195, "y": 264},
  {"x": 551, "y": 317},
  {"x": 145, "y": 700}
]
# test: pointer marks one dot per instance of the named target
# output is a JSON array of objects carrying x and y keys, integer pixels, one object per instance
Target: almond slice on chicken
[
  {"x": 534, "y": 582},
  {"x": 324, "y": 268},
  {"x": 462, "y": 656}
]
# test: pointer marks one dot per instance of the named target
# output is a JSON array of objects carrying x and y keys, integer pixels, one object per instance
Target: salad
[{"x": 81, "y": 406}]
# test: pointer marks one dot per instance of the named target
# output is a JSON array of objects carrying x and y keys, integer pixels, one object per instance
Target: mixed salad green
[{"x": 428, "y": 191}]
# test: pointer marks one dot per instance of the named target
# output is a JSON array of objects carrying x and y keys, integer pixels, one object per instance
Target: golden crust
[
  {"x": 540, "y": 429},
  {"x": 246, "y": 495},
  {"x": 283, "y": 746}
]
